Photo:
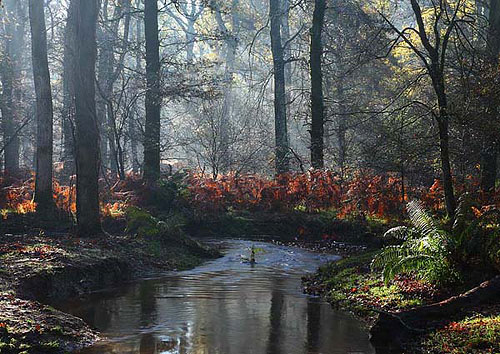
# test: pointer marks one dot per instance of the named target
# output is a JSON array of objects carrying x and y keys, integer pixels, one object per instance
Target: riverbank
[
  {"x": 38, "y": 269},
  {"x": 350, "y": 284}
]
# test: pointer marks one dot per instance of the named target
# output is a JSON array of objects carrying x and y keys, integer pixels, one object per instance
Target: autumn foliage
[
  {"x": 363, "y": 192},
  {"x": 16, "y": 195}
]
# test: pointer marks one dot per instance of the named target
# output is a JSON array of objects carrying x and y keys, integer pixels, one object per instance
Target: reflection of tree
[
  {"x": 148, "y": 313},
  {"x": 147, "y": 300},
  {"x": 313, "y": 325},
  {"x": 147, "y": 344},
  {"x": 274, "y": 342}
]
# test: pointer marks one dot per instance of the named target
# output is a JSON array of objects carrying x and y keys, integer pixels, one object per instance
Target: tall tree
[
  {"x": 280, "y": 116},
  {"x": 109, "y": 72},
  {"x": 87, "y": 132},
  {"x": 489, "y": 153},
  {"x": 13, "y": 29},
  {"x": 317, "y": 104},
  {"x": 153, "y": 95},
  {"x": 132, "y": 125},
  {"x": 231, "y": 39},
  {"x": 68, "y": 110},
  {"x": 433, "y": 56},
  {"x": 44, "y": 109},
  {"x": 104, "y": 62}
]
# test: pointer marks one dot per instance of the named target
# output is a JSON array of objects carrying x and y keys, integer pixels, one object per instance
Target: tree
[
  {"x": 13, "y": 30},
  {"x": 280, "y": 117},
  {"x": 87, "y": 132},
  {"x": 109, "y": 72},
  {"x": 231, "y": 39},
  {"x": 433, "y": 55},
  {"x": 44, "y": 109},
  {"x": 153, "y": 95},
  {"x": 191, "y": 11},
  {"x": 317, "y": 105},
  {"x": 489, "y": 153},
  {"x": 68, "y": 110}
]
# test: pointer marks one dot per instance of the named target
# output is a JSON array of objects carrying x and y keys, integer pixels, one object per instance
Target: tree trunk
[
  {"x": 10, "y": 138},
  {"x": 87, "y": 132},
  {"x": 444, "y": 147},
  {"x": 116, "y": 149},
  {"x": 341, "y": 131},
  {"x": 103, "y": 68},
  {"x": 287, "y": 55},
  {"x": 133, "y": 130},
  {"x": 317, "y": 105},
  {"x": 231, "y": 51},
  {"x": 489, "y": 153},
  {"x": 69, "y": 93},
  {"x": 111, "y": 72},
  {"x": 153, "y": 96},
  {"x": 435, "y": 65},
  {"x": 280, "y": 119},
  {"x": 44, "y": 109},
  {"x": 489, "y": 166},
  {"x": 449, "y": 194},
  {"x": 10, "y": 105}
]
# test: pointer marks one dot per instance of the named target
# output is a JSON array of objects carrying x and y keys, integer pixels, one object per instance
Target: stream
[{"x": 225, "y": 306}]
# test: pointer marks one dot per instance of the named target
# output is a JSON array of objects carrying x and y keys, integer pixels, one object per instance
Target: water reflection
[
  {"x": 313, "y": 325},
  {"x": 224, "y": 307}
]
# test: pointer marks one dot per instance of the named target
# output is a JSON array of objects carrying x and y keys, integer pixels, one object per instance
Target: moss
[
  {"x": 350, "y": 284},
  {"x": 50, "y": 345},
  {"x": 57, "y": 330},
  {"x": 480, "y": 334},
  {"x": 142, "y": 223}
]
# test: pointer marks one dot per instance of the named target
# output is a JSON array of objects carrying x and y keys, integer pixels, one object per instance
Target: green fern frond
[
  {"x": 424, "y": 250},
  {"x": 398, "y": 233},
  {"x": 389, "y": 255},
  {"x": 420, "y": 219}
]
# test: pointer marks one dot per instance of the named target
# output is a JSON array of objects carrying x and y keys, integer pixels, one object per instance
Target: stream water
[{"x": 224, "y": 307}]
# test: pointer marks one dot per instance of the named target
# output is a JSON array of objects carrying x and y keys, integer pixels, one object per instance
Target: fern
[
  {"x": 424, "y": 251},
  {"x": 398, "y": 233}
]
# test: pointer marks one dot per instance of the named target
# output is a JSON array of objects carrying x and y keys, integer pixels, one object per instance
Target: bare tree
[{"x": 433, "y": 55}]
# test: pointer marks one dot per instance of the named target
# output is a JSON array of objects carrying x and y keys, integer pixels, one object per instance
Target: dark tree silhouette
[
  {"x": 317, "y": 105},
  {"x": 153, "y": 96},
  {"x": 87, "y": 133},
  {"x": 44, "y": 109},
  {"x": 280, "y": 118}
]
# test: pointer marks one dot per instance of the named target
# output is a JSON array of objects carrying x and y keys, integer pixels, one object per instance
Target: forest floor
[
  {"x": 37, "y": 269},
  {"x": 349, "y": 284}
]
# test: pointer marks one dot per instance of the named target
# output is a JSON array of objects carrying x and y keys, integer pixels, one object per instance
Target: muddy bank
[{"x": 41, "y": 269}]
